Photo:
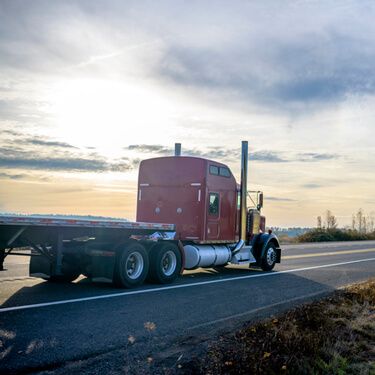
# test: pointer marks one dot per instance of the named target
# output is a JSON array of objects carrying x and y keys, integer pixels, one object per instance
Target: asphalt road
[{"x": 67, "y": 328}]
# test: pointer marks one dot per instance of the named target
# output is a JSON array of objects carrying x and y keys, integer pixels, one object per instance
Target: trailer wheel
[
  {"x": 165, "y": 263},
  {"x": 131, "y": 266},
  {"x": 269, "y": 257}
]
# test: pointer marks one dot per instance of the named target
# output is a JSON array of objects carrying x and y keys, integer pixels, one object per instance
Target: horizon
[{"x": 88, "y": 90}]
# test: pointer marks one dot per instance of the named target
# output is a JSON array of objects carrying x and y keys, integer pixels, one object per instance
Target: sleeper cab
[{"x": 198, "y": 195}]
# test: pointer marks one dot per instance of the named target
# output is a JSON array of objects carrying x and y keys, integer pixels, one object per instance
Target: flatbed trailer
[
  {"x": 212, "y": 227},
  {"x": 51, "y": 239}
]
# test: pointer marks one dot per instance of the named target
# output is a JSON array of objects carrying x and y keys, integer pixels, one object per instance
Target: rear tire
[
  {"x": 269, "y": 257},
  {"x": 165, "y": 263},
  {"x": 132, "y": 266}
]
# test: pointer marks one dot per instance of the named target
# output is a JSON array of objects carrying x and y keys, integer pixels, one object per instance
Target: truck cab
[{"x": 198, "y": 195}]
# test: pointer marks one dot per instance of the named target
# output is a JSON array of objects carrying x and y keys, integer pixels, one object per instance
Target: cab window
[
  {"x": 213, "y": 207},
  {"x": 214, "y": 170},
  {"x": 224, "y": 171}
]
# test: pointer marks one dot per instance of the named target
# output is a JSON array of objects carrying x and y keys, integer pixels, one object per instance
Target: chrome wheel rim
[
  {"x": 168, "y": 263},
  {"x": 271, "y": 256},
  {"x": 134, "y": 265}
]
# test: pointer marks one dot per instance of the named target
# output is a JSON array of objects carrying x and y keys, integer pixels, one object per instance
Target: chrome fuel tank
[{"x": 206, "y": 256}]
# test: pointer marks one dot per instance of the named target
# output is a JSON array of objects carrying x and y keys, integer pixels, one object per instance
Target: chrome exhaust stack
[
  {"x": 243, "y": 205},
  {"x": 177, "y": 149},
  {"x": 243, "y": 209}
]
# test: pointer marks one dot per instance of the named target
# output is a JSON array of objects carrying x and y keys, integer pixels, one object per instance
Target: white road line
[
  {"x": 309, "y": 245},
  {"x": 161, "y": 289},
  {"x": 330, "y": 253}
]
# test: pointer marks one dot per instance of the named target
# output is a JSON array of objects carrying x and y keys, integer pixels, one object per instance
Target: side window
[
  {"x": 213, "y": 208},
  {"x": 214, "y": 170},
  {"x": 224, "y": 172}
]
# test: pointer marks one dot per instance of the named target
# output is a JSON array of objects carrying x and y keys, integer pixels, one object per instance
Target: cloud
[
  {"x": 69, "y": 164},
  {"x": 18, "y": 138},
  {"x": 43, "y": 154},
  {"x": 267, "y": 156},
  {"x": 279, "y": 199},
  {"x": 12, "y": 176},
  {"x": 276, "y": 57},
  {"x": 213, "y": 153},
  {"x": 291, "y": 76},
  {"x": 222, "y": 153},
  {"x": 40, "y": 153},
  {"x": 47, "y": 143},
  {"x": 313, "y": 156},
  {"x": 268, "y": 54},
  {"x": 312, "y": 186},
  {"x": 11, "y": 109},
  {"x": 168, "y": 151},
  {"x": 157, "y": 149}
]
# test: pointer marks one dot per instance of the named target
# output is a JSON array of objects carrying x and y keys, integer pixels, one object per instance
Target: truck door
[{"x": 213, "y": 216}]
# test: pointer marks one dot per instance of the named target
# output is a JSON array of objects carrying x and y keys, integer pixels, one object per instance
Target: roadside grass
[
  {"x": 326, "y": 235},
  {"x": 334, "y": 234},
  {"x": 335, "y": 335}
]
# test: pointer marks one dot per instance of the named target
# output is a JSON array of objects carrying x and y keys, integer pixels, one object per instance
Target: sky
[{"x": 90, "y": 88}]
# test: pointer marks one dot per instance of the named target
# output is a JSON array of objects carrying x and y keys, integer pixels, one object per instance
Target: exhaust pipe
[
  {"x": 243, "y": 209},
  {"x": 177, "y": 149},
  {"x": 243, "y": 206}
]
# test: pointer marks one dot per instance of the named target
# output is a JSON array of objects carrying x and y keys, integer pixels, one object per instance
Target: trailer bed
[
  {"x": 53, "y": 238},
  {"x": 85, "y": 223}
]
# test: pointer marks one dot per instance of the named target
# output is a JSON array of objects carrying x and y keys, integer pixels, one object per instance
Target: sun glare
[{"x": 109, "y": 115}]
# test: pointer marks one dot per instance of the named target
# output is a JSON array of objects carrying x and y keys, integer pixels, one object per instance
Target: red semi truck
[{"x": 210, "y": 226}]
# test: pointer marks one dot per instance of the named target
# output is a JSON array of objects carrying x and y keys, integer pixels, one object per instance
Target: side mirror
[{"x": 260, "y": 201}]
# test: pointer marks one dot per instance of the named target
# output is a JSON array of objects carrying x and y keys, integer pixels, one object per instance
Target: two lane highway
[{"x": 43, "y": 325}]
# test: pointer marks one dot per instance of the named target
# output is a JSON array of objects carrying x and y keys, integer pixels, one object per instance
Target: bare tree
[
  {"x": 364, "y": 224},
  {"x": 359, "y": 217},
  {"x": 370, "y": 223},
  {"x": 331, "y": 220},
  {"x": 319, "y": 222}
]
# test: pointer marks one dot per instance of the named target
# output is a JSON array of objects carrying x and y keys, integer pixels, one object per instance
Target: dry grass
[{"x": 333, "y": 336}]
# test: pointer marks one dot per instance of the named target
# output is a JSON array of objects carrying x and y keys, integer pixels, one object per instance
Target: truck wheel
[
  {"x": 268, "y": 260},
  {"x": 165, "y": 263},
  {"x": 131, "y": 266}
]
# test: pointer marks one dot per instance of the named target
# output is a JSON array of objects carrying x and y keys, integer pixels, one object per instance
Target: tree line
[{"x": 362, "y": 228}]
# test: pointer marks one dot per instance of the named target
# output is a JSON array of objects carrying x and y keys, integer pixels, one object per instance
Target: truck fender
[{"x": 260, "y": 243}]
